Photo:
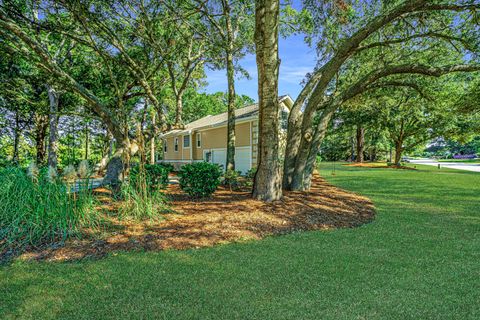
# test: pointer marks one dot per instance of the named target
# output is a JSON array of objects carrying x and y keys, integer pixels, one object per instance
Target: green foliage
[
  {"x": 140, "y": 204},
  {"x": 417, "y": 260},
  {"x": 250, "y": 177},
  {"x": 230, "y": 178},
  {"x": 198, "y": 105},
  {"x": 35, "y": 211},
  {"x": 200, "y": 179},
  {"x": 156, "y": 175}
]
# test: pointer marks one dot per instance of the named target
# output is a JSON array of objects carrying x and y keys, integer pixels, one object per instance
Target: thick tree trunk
[
  {"x": 230, "y": 165},
  {"x": 293, "y": 143},
  {"x": 294, "y": 134},
  {"x": 398, "y": 152},
  {"x": 116, "y": 165},
  {"x": 268, "y": 179},
  {"x": 307, "y": 153},
  {"x": 41, "y": 125},
  {"x": 53, "y": 98},
  {"x": 360, "y": 143}
]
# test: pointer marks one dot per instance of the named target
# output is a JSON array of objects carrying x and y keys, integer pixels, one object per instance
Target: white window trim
[
  {"x": 183, "y": 141},
  {"x": 199, "y": 139},
  {"x": 175, "y": 143},
  {"x": 165, "y": 146}
]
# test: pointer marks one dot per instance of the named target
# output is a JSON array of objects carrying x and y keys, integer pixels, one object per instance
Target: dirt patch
[
  {"x": 378, "y": 165},
  {"x": 225, "y": 217}
]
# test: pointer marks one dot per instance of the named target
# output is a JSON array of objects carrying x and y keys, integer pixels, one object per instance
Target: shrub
[
  {"x": 231, "y": 179},
  {"x": 250, "y": 176},
  {"x": 200, "y": 179},
  {"x": 35, "y": 211},
  {"x": 156, "y": 175}
]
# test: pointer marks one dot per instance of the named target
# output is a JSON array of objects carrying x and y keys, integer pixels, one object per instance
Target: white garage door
[
  {"x": 242, "y": 158},
  {"x": 219, "y": 156}
]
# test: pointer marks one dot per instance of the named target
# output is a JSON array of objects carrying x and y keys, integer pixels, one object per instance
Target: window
[
  {"x": 199, "y": 140},
  {"x": 176, "y": 145},
  {"x": 186, "y": 141},
  {"x": 164, "y": 146},
  {"x": 208, "y": 156},
  {"x": 284, "y": 120}
]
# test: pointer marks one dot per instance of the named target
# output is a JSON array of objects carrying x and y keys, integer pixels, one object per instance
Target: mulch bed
[{"x": 228, "y": 216}]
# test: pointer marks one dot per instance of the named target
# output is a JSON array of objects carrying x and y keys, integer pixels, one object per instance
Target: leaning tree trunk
[
  {"x": 53, "y": 98},
  {"x": 41, "y": 125},
  {"x": 307, "y": 153},
  {"x": 294, "y": 134},
  {"x": 360, "y": 143},
  {"x": 268, "y": 179},
  {"x": 230, "y": 165}
]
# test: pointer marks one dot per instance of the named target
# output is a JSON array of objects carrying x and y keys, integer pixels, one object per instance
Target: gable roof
[{"x": 221, "y": 119}]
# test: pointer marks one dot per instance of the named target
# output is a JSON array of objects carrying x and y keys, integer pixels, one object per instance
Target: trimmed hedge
[{"x": 200, "y": 179}]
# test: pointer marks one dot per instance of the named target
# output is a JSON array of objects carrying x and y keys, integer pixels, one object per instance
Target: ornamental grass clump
[
  {"x": 142, "y": 194},
  {"x": 200, "y": 179},
  {"x": 69, "y": 173},
  {"x": 83, "y": 170},
  {"x": 34, "y": 210}
]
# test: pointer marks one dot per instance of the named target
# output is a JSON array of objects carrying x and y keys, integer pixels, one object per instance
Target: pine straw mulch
[
  {"x": 228, "y": 216},
  {"x": 378, "y": 165}
]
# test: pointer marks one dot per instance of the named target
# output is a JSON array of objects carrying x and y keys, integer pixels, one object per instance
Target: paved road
[{"x": 452, "y": 165}]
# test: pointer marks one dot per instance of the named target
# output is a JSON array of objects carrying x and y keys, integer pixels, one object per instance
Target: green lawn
[
  {"x": 460, "y": 160},
  {"x": 420, "y": 259}
]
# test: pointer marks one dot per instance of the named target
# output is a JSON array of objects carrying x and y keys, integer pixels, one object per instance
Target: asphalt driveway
[{"x": 452, "y": 165}]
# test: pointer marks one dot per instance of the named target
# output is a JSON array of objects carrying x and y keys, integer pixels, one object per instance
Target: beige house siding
[
  {"x": 171, "y": 154},
  {"x": 215, "y": 138},
  {"x": 246, "y": 133},
  {"x": 254, "y": 143}
]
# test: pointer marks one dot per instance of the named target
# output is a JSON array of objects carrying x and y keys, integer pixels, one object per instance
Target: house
[{"x": 206, "y": 139}]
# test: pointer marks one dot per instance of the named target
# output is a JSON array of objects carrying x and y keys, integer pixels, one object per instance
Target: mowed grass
[{"x": 420, "y": 259}]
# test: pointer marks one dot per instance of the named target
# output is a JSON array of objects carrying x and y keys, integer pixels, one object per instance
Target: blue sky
[{"x": 297, "y": 59}]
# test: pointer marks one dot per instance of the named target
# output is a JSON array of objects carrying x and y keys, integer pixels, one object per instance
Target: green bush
[
  {"x": 200, "y": 179},
  {"x": 35, "y": 210},
  {"x": 230, "y": 179},
  {"x": 156, "y": 175},
  {"x": 250, "y": 176}
]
